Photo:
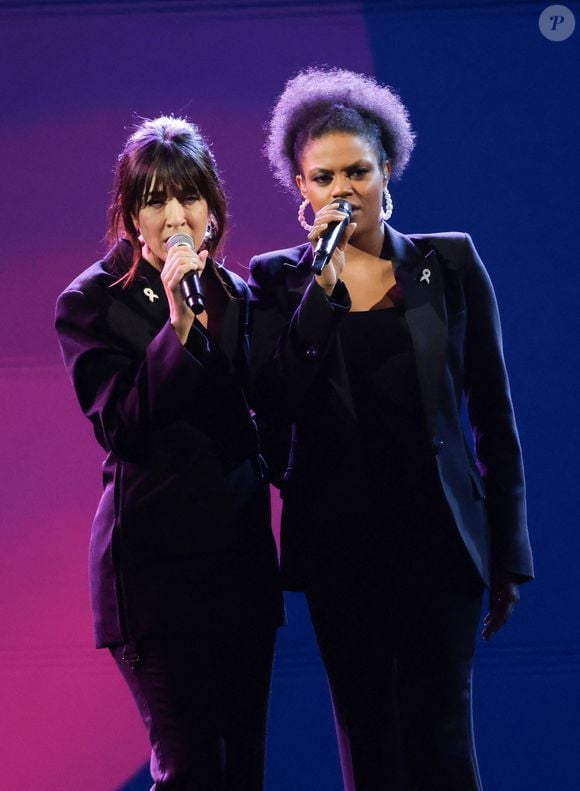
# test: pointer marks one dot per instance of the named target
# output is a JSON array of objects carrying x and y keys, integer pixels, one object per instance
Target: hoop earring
[
  {"x": 301, "y": 218},
  {"x": 387, "y": 211}
]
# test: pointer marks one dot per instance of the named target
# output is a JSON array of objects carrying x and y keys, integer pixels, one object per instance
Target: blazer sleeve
[
  {"x": 491, "y": 415},
  {"x": 288, "y": 348},
  {"x": 128, "y": 393},
  {"x": 287, "y": 351}
]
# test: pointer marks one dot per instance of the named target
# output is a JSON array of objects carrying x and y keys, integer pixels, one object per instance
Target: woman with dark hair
[
  {"x": 183, "y": 568},
  {"x": 392, "y": 522}
]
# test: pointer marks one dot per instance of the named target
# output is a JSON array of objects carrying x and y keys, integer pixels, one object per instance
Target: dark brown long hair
[{"x": 173, "y": 152}]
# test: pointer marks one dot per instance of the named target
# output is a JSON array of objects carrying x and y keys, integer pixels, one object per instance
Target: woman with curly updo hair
[
  {"x": 393, "y": 522},
  {"x": 183, "y": 568}
]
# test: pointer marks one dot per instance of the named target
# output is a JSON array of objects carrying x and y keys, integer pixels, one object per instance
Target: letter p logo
[{"x": 556, "y": 23}]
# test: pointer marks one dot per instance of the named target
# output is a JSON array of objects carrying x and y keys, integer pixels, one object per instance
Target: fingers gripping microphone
[
  {"x": 191, "y": 284},
  {"x": 330, "y": 237}
]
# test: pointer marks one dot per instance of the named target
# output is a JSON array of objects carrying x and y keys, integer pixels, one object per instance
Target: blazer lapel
[
  {"x": 139, "y": 311},
  {"x": 420, "y": 280},
  {"x": 231, "y": 332},
  {"x": 297, "y": 275},
  {"x": 148, "y": 294}
]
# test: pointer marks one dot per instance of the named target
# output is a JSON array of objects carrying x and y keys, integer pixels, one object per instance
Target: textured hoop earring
[
  {"x": 301, "y": 218},
  {"x": 387, "y": 212}
]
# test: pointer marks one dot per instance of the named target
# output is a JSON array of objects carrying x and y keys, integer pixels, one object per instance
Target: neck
[
  {"x": 371, "y": 241},
  {"x": 151, "y": 258}
]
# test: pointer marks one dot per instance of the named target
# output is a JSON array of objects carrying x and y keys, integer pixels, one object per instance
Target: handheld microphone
[
  {"x": 330, "y": 237},
  {"x": 190, "y": 284}
]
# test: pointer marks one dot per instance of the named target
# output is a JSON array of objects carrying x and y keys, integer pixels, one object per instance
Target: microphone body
[
  {"x": 190, "y": 285},
  {"x": 328, "y": 240}
]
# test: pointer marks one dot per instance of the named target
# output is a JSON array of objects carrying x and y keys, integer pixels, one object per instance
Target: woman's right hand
[
  {"x": 331, "y": 273},
  {"x": 180, "y": 260}
]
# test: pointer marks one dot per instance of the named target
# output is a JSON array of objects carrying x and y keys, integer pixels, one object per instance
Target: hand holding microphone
[
  {"x": 190, "y": 284},
  {"x": 181, "y": 279},
  {"x": 331, "y": 232}
]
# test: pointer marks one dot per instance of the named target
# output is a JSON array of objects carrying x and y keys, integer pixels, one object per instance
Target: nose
[
  {"x": 341, "y": 187},
  {"x": 174, "y": 214}
]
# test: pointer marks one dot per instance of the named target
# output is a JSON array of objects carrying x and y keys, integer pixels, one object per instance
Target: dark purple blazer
[
  {"x": 299, "y": 381},
  {"x": 183, "y": 485}
]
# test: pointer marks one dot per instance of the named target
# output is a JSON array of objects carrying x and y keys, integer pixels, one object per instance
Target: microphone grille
[{"x": 179, "y": 238}]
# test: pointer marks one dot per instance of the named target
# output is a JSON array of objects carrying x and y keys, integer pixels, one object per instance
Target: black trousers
[
  {"x": 204, "y": 702},
  {"x": 396, "y": 627}
]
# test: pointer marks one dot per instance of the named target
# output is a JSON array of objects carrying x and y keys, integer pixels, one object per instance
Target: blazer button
[
  {"x": 437, "y": 444},
  {"x": 312, "y": 352}
]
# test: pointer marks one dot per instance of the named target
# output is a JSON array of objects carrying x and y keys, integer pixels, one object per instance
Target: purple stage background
[{"x": 496, "y": 110}]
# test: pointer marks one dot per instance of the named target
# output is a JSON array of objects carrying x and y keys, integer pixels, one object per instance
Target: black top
[{"x": 397, "y": 454}]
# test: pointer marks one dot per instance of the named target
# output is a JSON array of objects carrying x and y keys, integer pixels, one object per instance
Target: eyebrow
[{"x": 353, "y": 166}]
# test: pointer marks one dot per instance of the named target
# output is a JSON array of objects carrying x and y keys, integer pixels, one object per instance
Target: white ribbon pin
[
  {"x": 425, "y": 276},
  {"x": 152, "y": 296}
]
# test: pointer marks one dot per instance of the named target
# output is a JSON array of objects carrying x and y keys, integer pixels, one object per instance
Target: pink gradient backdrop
[{"x": 72, "y": 85}]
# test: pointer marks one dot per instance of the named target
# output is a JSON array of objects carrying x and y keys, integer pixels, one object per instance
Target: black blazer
[
  {"x": 182, "y": 482},
  {"x": 298, "y": 372}
]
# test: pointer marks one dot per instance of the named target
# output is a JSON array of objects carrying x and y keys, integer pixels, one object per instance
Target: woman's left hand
[{"x": 504, "y": 594}]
